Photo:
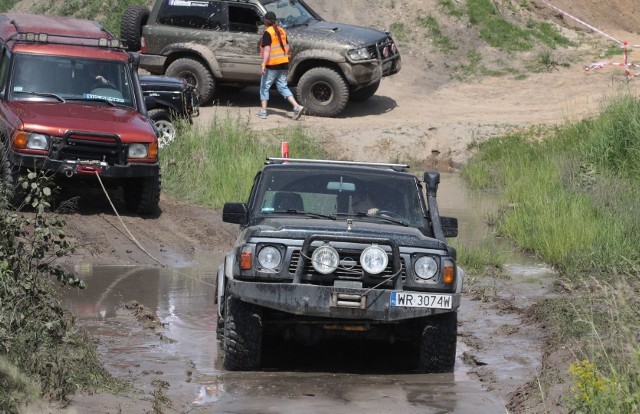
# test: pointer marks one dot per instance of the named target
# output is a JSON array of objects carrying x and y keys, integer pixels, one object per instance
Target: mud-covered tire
[
  {"x": 437, "y": 349},
  {"x": 364, "y": 93},
  {"x": 10, "y": 176},
  {"x": 164, "y": 122},
  {"x": 142, "y": 195},
  {"x": 242, "y": 349},
  {"x": 133, "y": 18},
  {"x": 323, "y": 92},
  {"x": 196, "y": 74}
]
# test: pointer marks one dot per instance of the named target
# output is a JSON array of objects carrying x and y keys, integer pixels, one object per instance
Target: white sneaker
[
  {"x": 298, "y": 111},
  {"x": 262, "y": 114}
]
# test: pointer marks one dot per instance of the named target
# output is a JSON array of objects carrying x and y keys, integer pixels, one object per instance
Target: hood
[
  {"x": 55, "y": 118},
  {"x": 300, "y": 228},
  {"x": 163, "y": 83},
  {"x": 340, "y": 33}
]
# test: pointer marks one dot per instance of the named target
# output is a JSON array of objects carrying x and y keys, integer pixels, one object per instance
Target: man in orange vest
[{"x": 274, "y": 49}]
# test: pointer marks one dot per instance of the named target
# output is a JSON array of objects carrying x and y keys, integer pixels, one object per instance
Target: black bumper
[
  {"x": 329, "y": 301},
  {"x": 69, "y": 168}
]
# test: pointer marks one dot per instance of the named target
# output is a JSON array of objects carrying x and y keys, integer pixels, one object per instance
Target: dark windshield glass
[
  {"x": 63, "y": 78},
  {"x": 339, "y": 194},
  {"x": 289, "y": 13}
]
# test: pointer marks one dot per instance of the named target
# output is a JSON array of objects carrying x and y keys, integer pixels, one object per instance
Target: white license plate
[{"x": 421, "y": 300}]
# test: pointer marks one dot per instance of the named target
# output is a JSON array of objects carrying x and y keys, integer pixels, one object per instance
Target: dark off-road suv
[
  {"x": 214, "y": 43},
  {"x": 312, "y": 260},
  {"x": 168, "y": 100},
  {"x": 71, "y": 105}
]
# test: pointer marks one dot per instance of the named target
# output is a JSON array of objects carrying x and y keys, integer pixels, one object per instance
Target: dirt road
[{"x": 415, "y": 117}]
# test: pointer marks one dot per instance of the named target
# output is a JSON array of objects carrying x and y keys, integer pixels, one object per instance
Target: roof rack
[
  {"x": 32, "y": 37},
  {"x": 395, "y": 167}
]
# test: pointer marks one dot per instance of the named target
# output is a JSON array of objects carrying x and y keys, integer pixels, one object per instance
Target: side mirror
[
  {"x": 449, "y": 226},
  {"x": 236, "y": 213}
]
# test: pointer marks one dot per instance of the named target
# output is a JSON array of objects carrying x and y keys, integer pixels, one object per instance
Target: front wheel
[
  {"x": 323, "y": 92},
  {"x": 437, "y": 353},
  {"x": 142, "y": 195},
  {"x": 242, "y": 347},
  {"x": 196, "y": 74},
  {"x": 163, "y": 121}
]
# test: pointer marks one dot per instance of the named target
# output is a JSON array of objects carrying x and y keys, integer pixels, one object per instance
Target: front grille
[
  {"x": 384, "y": 49},
  {"x": 356, "y": 273},
  {"x": 86, "y": 146}
]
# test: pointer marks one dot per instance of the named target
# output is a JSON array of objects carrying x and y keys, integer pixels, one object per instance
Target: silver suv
[{"x": 215, "y": 43}]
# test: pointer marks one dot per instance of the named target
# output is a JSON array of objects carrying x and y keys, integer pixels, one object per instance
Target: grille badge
[{"x": 348, "y": 263}]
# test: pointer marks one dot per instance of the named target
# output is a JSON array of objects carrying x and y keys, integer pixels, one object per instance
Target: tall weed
[{"x": 196, "y": 165}]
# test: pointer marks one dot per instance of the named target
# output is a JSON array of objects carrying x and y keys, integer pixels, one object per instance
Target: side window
[
  {"x": 243, "y": 19},
  {"x": 193, "y": 14},
  {"x": 5, "y": 63}
]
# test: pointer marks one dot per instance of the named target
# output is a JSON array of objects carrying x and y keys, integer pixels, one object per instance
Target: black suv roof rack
[{"x": 395, "y": 167}]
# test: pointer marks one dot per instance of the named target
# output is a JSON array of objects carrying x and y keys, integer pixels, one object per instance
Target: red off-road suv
[{"x": 71, "y": 104}]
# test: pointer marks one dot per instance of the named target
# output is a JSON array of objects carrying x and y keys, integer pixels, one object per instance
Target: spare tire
[{"x": 133, "y": 19}]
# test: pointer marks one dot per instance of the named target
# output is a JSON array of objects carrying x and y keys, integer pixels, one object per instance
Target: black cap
[{"x": 270, "y": 16}]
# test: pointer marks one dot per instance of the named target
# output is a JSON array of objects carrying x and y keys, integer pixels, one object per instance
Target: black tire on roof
[
  {"x": 196, "y": 74},
  {"x": 322, "y": 91},
  {"x": 437, "y": 349},
  {"x": 133, "y": 18}
]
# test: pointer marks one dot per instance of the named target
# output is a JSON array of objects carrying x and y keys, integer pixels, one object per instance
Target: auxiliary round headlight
[
  {"x": 374, "y": 260},
  {"x": 325, "y": 259},
  {"x": 425, "y": 267},
  {"x": 269, "y": 257}
]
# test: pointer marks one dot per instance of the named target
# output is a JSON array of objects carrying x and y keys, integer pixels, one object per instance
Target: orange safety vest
[{"x": 279, "y": 53}]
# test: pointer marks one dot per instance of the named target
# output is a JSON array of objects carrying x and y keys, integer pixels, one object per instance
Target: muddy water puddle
[{"x": 179, "y": 358}]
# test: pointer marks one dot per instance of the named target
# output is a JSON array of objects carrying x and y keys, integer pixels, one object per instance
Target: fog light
[
  {"x": 325, "y": 259},
  {"x": 374, "y": 260}
]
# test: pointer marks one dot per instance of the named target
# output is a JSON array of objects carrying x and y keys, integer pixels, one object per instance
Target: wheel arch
[
  {"x": 198, "y": 52},
  {"x": 312, "y": 59}
]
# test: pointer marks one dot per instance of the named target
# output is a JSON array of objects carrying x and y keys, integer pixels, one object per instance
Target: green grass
[
  {"x": 570, "y": 196},
  {"x": 108, "y": 12},
  {"x": 217, "y": 163},
  {"x": 442, "y": 42},
  {"x": 451, "y": 8},
  {"x": 400, "y": 32},
  {"x": 505, "y": 35}
]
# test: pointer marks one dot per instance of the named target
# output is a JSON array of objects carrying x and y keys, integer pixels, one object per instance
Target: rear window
[{"x": 193, "y": 14}]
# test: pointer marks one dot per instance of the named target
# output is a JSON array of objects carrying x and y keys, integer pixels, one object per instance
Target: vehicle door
[{"x": 240, "y": 56}]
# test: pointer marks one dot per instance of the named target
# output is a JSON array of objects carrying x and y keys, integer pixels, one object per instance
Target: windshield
[
  {"x": 344, "y": 194},
  {"x": 290, "y": 13},
  {"x": 64, "y": 78}
]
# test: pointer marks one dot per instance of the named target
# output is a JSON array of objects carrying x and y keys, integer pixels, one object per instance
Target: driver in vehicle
[{"x": 361, "y": 203}]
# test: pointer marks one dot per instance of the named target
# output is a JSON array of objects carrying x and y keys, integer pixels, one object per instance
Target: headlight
[
  {"x": 137, "y": 151},
  {"x": 30, "y": 140},
  {"x": 325, "y": 259},
  {"x": 269, "y": 257},
  {"x": 425, "y": 267},
  {"x": 374, "y": 260},
  {"x": 359, "y": 54},
  {"x": 38, "y": 141}
]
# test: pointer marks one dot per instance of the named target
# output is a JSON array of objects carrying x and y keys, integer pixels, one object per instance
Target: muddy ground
[{"x": 421, "y": 115}]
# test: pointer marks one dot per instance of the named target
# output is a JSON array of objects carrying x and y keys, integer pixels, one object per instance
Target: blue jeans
[{"x": 280, "y": 78}]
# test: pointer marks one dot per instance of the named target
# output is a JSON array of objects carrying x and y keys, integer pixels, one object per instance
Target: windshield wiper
[
  {"x": 99, "y": 100},
  {"x": 43, "y": 94},
  {"x": 385, "y": 218},
  {"x": 305, "y": 213}
]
